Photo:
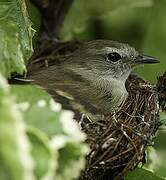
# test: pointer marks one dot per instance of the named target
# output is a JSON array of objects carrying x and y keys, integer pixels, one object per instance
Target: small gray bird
[{"x": 93, "y": 76}]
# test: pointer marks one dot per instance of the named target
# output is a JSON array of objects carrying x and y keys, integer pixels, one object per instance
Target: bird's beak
[{"x": 144, "y": 59}]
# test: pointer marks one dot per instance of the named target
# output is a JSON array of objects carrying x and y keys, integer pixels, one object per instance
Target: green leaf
[
  {"x": 156, "y": 155},
  {"x": 71, "y": 148},
  {"x": 142, "y": 174},
  {"x": 16, "y": 36},
  {"x": 57, "y": 127},
  {"x": 45, "y": 157},
  {"x": 15, "y": 160},
  {"x": 163, "y": 118},
  {"x": 39, "y": 109},
  {"x": 71, "y": 159}
]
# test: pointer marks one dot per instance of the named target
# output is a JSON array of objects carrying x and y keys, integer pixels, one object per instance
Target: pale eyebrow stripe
[
  {"x": 113, "y": 49},
  {"x": 107, "y": 50}
]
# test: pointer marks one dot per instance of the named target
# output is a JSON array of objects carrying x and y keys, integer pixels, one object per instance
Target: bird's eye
[{"x": 114, "y": 57}]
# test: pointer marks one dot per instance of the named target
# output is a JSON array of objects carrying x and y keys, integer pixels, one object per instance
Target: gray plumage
[{"x": 93, "y": 76}]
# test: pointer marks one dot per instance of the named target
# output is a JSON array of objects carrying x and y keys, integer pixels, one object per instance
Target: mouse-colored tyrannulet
[{"x": 94, "y": 75}]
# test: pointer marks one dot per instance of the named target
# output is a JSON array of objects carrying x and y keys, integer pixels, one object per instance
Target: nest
[{"x": 118, "y": 142}]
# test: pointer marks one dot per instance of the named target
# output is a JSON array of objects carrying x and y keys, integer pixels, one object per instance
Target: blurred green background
[
  {"x": 140, "y": 23},
  {"x": 39, "y": 140}
]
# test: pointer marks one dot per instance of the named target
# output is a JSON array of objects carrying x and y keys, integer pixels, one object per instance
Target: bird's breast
[
  {"x": 103, "y": 92},
  {"x": 111, "y": 94}
]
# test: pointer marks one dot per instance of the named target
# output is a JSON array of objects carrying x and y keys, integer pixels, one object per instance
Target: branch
[{"x": 52, "y": 14}]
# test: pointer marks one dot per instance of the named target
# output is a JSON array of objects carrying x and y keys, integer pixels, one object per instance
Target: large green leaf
[
  {"x": 54, "y": 134},
  {"x": 163, "y": 118},
  {"x": 15, "y": 159},
  {"x": 38, "y": 109},
  {"x": 71, "y": 161},
  {"x": 16, "y": 36},
  {"x": 142, "y": 174},
  {"x": 156, "y": 155},
  {"x": 72, "y": 148},
  {"x": 45, "y": 157}
]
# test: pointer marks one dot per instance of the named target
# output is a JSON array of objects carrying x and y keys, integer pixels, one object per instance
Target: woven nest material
[{"x": 119, "y": 142}]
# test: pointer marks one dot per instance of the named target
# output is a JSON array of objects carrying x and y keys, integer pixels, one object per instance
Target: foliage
[
  {"x": 38, "y": 139},
  {"x": 16, "y": 162},
  {"x": 15, "y": 35},
  {"x": 56, "y": 139},
  {"x": 142, "y": 174}
]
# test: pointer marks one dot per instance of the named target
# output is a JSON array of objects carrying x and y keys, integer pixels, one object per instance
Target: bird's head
[{"x": 107, "y": 58}]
